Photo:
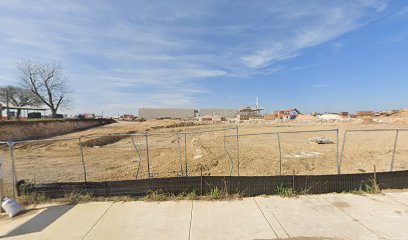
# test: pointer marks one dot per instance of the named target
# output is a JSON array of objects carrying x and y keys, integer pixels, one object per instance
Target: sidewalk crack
[
  {"x": 191, "y": 220},
  {"x": 354, "y": 219},
  {"x": 395, "y": 200},
  {"x": 270, "y": 225},
  {"x": 99, "y": 219}
]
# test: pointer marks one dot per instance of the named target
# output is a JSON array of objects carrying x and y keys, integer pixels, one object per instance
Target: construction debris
[
  {"x": 321, "y": 140},
  {"x": 303, "y": 154},
  {"x": 11, "y": 207}
]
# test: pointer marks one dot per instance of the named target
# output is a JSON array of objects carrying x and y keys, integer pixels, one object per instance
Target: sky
[{"x": 316, "y": 56}]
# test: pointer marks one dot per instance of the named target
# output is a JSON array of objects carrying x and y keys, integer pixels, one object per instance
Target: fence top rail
[
  {"x": 377, "y": 130},
  {"x": 115, "y": 135},
  {"x": 192, "y": 132},
  {"x": 42, "y": 140},
  {"x": 211, "y": 130},
  {"x": 271, "y": 133},
  {"x": 251, "y": 134}
]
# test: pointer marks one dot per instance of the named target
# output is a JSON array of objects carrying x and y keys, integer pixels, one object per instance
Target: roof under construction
[{"x": 250, "y": 111}]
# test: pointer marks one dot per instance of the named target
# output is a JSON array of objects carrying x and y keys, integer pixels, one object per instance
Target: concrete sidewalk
[{"x": 329, "y": 216}]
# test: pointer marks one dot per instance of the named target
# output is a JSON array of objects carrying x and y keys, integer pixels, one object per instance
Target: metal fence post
[
  {"x": 238, "y": 151},
  {"x": 229, "y": 156},
  {"x": 342, "y": 151},
  {"x": 337, "y": 151},
  {"x": 179, "y": 153},
  {"x": 138, "y": 154},
  {"x": 147, "y": 154},
  {"x": 393, "y": 151},
  {"x": 185, "y": 153},
  {"x": 280, "y": 154},
  {"x": 82, "y": 158},
  {"x": 13, "y": 167}
]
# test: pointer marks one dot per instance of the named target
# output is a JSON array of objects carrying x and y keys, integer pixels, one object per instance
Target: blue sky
[{"x": 121, "y": 55}]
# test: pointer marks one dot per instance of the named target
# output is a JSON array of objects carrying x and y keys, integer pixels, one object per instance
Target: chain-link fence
[
  {"x": 386, "y": 149},
  {"x": 7, "y": 184},
  {"x": 115, "y": 157},
  {"x": 217, "y": 152},
  {"x": 164, "y": 155},
  {"x": 400, "y": 161},
  {"x": 210, "y": 152},
  {"x": 259, "y": 154},
  {"x": 46, "y": 161},
  {"x": 284, "y": 153},
  {"x": 309, "y": 152}
]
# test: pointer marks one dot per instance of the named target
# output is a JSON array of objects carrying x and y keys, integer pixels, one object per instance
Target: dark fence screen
[{"x": 246, "y": 185}]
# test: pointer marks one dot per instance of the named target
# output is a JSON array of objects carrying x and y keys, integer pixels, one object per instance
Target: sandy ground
[{"x": 125, "y": 157}]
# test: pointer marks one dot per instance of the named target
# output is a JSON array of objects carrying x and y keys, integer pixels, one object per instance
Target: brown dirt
[{"x": 116, "y": 158}]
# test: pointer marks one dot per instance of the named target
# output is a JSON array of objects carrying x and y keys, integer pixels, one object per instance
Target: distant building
[
  {"x": 86, "y": 116},
  {"x": 288, "y": 113},
  {"x": 162, "y": 113},
  {"x": 223, "y": 113},
  {"x": 272, "y": 116},
  {"x": 247, "y": 113},
  {"x": 21, "y": 112},
  {"x": 365, "y": 114},
  {"x": 128, "y": 117}
]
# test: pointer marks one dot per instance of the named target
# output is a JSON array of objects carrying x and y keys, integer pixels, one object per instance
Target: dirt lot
[{"x": 125, "y": 157}]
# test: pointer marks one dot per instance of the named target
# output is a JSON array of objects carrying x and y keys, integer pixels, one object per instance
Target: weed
[
  {"x": 356, "y": 192},
  {"x": 34, "y": 198},
  {"x": 285, "y": 191},
  {"x": 77, "y": 197},
  {"x": 157, "y": 196},
  {"x": 371, "y": 186},
  {"x": 215, "y": 193},
  {"x": 192, "y": 195}
]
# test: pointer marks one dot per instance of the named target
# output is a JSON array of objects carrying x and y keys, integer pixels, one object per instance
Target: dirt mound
[
  {"x": 305, "y": 117},
  {"x": 104, "y": 140},
  {"x": 403, "y": 112},
  {"x": 175, "y": 125},
  {"x": 367, "y": 120}
]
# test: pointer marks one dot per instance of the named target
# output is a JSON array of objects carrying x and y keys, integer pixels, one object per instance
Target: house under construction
[{"x": 248, "y": 112}]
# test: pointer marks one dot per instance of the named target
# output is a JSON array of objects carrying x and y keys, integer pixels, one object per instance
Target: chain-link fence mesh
[
  {"x": 401, "y": 151},
  {"x": 210, "y": 151},
  {"x": 165, "y": 155},
  {"x": 48, "y": 161},
  {"x": 6, "y": 170},
  {"x": 309, "y": 152},
  {"x": 283, "y": 153},
  {"x": 364, "y": 149},
  {"x": 259, "y": 154},
  {"x": 115, "y": 157},
  {"x": 219, "y": 152}
]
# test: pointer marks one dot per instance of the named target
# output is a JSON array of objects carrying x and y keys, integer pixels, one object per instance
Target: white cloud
[
  {"x": 402, "y": 12},
  {"x": 156, "y": 53},
  {"x": 311, "y": 28},
  {"x": 320, "y": 85}
]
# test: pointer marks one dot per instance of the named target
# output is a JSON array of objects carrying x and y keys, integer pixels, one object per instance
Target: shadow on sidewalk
[{"x": 41, "y": 221}]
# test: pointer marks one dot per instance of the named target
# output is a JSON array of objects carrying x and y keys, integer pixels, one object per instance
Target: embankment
[{"x": 24, "y": 130}]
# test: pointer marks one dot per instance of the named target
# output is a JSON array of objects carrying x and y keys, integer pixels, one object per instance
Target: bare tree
[
  {"x": 47, "y": 82},
  {"x": 19, "y": 97}
]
